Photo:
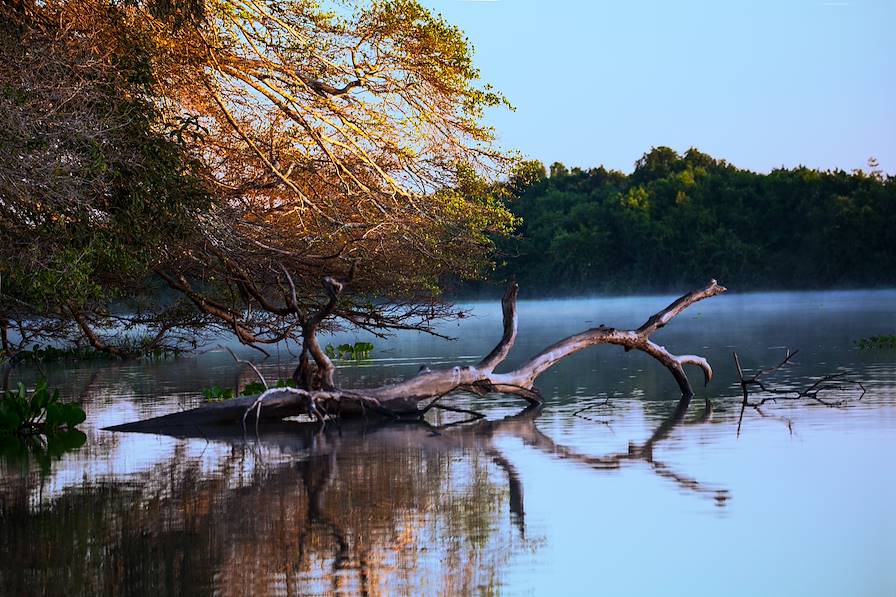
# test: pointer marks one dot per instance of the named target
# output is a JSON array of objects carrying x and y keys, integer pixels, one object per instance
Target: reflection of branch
[
  {"x": 579, "y": 412},
  {"x": 474, "y": 415},
  {"x": 315, "y": 489},
  {"x": 515, "y": 488},
  {"x": 523, "y": 426},
  {"x": 786, "y": 420},
  {"x": 831, "y": 382}
]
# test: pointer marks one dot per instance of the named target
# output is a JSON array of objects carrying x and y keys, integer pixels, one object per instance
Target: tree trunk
[
  {"x": 4, "y": 336},
  {"x": 413, "y": 397}
]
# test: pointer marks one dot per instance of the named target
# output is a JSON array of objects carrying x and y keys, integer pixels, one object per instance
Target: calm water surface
[{"x": 639, "y": 494}]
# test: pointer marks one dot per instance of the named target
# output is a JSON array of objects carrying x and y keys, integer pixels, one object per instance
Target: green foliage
[
  {"x": 256, "y": 387},
  {"x": 139, "y": 347},
  {"x": 877, "y": 342},
  {"x": 216, "y": 394},
  {"x": 356, "y": 351},
  {"x": 131, "y": 181},
  {"x": 38, "y": 412},
  {"x": 103, "y": 179},
  {"x": 678, "y": 220},
  {"x": 252, "y": 389},
  {"x": 20, "y": 449},
  {"x": 52, "y": 354}
]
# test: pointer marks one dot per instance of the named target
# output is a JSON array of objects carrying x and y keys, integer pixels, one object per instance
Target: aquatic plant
[
  {"x": 215, "y": 393},
  {"x": 137, "y": 347},
  {"x": 37, "y": 412},
  {"x": 356, "y": 351},
  {"x": 256, "y": 387},
  {"x": 49, "y": 354},
  {"x": 884, "y": 342}
]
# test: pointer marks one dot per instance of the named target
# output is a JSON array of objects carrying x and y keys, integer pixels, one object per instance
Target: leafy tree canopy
[
  {"x": 237, "y": 151},
  {"x": 679, "y": 219}
]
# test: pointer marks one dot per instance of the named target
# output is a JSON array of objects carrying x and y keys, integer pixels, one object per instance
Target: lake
[{"x": 638, "y": 494}]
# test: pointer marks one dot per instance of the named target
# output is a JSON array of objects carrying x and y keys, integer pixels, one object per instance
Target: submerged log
[{"x": 413, "y": 397}]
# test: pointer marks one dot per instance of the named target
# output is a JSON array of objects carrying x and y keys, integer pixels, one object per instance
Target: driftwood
[{"x": 413, "y": 397}]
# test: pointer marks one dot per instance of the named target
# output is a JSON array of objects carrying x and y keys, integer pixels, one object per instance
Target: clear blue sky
[{"x": 760, "y": 83}]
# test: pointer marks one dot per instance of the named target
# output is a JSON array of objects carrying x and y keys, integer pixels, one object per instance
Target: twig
[
  {"x": 254, "y": 368},
  {"x": 812, "y": 392},
  {"x": 590, "y": 406}
]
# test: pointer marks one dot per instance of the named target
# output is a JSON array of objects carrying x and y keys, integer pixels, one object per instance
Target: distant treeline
[{"x": 678, "y": 220}]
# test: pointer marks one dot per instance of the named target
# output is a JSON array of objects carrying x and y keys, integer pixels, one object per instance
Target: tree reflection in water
[{"x": 357, "y": 509}]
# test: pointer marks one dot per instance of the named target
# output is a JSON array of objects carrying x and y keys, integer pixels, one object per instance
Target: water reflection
[
  {"x": 355, "y": 508},
  {"x": 21, "y": 450},
  {"x": 538, "y": 501}
]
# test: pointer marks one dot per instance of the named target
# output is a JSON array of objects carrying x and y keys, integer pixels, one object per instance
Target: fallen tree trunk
[{"x": 412, "y": 398}]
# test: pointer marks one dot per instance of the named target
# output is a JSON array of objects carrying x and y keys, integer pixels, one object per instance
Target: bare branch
[
  {"x": 500, "y": 352},
  {"x": 254, "y": 368},
  {"x": 404, "y": 399}
]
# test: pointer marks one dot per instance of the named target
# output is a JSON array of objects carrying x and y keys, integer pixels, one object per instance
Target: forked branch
[{"x": 410, "y": 398}]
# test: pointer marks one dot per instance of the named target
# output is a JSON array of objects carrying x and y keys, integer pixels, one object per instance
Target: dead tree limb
[
  {"x": 404, "y": 399},
  {"x": 832, "y": 382}
]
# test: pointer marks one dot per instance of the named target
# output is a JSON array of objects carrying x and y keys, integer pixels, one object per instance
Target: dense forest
[{"x": 678, "y": 220}]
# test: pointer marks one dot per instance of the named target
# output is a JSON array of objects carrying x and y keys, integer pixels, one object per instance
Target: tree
[
  {"x": 414, "y": 397},
  {"x": 92, "y": 180},
  {"x": 678, "y": 219},
  {"x": 330, "y": 145}
]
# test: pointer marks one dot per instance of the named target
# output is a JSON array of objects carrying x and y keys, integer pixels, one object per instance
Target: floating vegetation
[
  {"x": 253, "y": 389},
  {"x": 51, "y": 354},
  {"x": 256, "y": 387},
  {"x": 216, "y": 394},
  {"x": 877, "y": 343},
  {"x": 356, "y": 351},
  {"x": 137, "y": 347},
  {"x": 38, "y": 425}
]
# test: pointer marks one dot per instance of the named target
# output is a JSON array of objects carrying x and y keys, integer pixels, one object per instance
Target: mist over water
[{"x": 638, "y": 494}]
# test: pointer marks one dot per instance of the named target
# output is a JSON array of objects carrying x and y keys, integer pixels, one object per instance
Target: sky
[{"x": 759, "y": 83}]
